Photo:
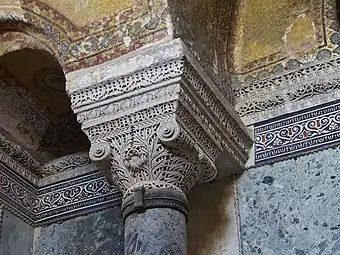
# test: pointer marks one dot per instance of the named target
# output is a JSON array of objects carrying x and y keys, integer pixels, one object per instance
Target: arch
[
  {"x": 14, "y": 41},
  {"x": 17, "y": 34},
  {"x": 35, "y": 110}
]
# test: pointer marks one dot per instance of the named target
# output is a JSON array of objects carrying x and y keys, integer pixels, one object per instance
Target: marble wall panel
[
  {"x": 16, "y": 235},
  {"x": 97, "y": 233},
  {"x": 291, "y": 207}
]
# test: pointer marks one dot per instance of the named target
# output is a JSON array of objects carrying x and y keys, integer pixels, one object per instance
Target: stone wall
[
  {"x": 291, "y": 207},
  {"x": 16, "y": 236},
  {"x": 97, "y": 233}
]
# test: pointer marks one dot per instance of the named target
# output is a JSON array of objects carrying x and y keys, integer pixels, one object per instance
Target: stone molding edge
[
  {"x": 306, "y": 82},
  {"x": 291, "y": 107},
  {"x": 18, "y": 158},
  {"x": 95, "y": 83},
  {"x": 143, "y": 200},
  {"x": 158, "y": 63},
  {"x": 52, "y": 203},
  {"x": 22, "y": 162},
  {"x": 297, "y": 134}
]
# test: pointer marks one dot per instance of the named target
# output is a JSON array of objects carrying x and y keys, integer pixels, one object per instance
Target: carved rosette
[{"x": 161, "y": 126}]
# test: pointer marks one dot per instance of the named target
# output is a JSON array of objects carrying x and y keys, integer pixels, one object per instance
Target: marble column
[
  {"x": 157, "y": 126},
  {"x": 155, "y": 222}
]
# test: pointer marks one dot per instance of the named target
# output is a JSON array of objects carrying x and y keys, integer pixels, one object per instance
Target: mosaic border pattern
[
  {"x": 100, "y": 40},
  {"x": 66, "y": 199},
  {"x": 297, "y": 133}
]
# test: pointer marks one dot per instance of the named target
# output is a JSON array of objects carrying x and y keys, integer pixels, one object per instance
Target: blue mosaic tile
[{"x": 297, "y": 133}]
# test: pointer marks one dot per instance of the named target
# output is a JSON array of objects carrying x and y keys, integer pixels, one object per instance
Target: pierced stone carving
[
  {"x": 134, "y": 161},
  {"x": 168, "y": 132},
  {"x": 316, "y": 79},
  {"x": 65, "y": 163},
  {"x": 100, "y": 151},
  {"x": 165, "y": 124},
  {"x": 19, "y": 159},
  {"x": 139, "y": 158}
]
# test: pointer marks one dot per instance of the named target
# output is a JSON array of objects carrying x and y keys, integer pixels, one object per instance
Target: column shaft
[
  {"x": 155, "y": 222},
  {"x": 157, "y": 231}
]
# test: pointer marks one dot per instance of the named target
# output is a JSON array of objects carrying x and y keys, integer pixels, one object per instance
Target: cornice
[{"x": 292, "y": 90}]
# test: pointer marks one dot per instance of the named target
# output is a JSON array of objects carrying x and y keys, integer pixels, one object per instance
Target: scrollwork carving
[
  {"x": 65, "y": 163},
  {"x": 140, "y": 158},
  {"x": 168, "y": 132},
  {"x": 100, "y": 153},
  {"x": 306, "y": 82}
]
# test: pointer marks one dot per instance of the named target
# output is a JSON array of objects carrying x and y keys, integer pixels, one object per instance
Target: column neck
[{"x": 142, "y": 200}]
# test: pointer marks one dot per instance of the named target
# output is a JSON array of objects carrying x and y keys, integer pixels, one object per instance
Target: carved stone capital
[{"x": 163, "y": 125}]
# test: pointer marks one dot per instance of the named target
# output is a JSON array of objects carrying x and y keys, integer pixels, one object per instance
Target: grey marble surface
[
  {"x": 292, "y": 207},
  {"x": 100, "y": 233},
  {"x": 16, "y": 236},
  {"x": 158, "y": 231}
]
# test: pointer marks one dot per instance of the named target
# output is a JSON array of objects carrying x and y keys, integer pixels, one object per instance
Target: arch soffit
[
  {"x": 18, "y": 33},
  {"x": 78, "y": 46}
]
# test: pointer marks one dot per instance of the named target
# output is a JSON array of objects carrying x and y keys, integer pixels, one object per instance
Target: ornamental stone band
[{"x": 158, "y": 126}]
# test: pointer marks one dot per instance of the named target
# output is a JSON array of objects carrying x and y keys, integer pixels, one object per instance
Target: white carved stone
[
  {"x": 290, "y": 91},
  {"x": 22, "y": 162},
  {"x": 17, "y": 158},
  {"x": 65, "y": 163},
  {"x": 163, "y": 122}
]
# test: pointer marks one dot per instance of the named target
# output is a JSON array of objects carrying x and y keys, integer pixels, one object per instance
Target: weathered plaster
[
  {"x": 256, "y": 18},
  {"x": 206, "y": 27},
  {"x": 84, "y": 11},
  {"x": 87, "y": 33}
]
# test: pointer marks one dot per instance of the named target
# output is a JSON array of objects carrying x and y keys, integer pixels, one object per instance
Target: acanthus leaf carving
[{"x": 164, "y": 123}]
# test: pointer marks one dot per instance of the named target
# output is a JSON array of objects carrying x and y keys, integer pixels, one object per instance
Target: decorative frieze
[
  {"x": 18, "y": 195},
  {"x": 293, "y": 134},
  {"x": 65, "y": 163},
  {"x": 69, "y": 198},
  {"x": 305, "y": 82},
  {"x": 75, "y": 196},
  {"x": 163, "y": 124},
  {"x": 19, "y": 159}
]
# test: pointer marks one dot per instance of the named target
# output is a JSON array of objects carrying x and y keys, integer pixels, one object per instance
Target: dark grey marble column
[{"x": 155, "y": 223}]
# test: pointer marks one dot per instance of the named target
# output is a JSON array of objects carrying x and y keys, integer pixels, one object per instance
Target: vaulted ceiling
[{"x": 34, "y": 108}]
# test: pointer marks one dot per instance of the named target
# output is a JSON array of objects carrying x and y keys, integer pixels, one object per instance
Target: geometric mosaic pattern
[
  {"x": 297, "y": 133},
  {"x": 54, "y": 202}
]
